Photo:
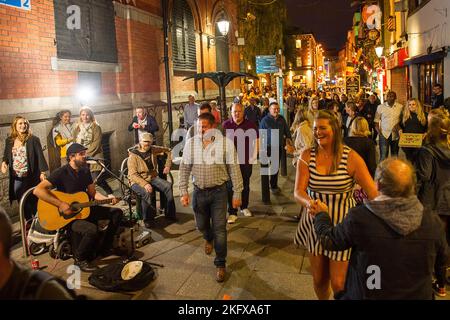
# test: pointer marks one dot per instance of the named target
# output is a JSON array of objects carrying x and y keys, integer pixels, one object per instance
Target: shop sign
[
  {"x": 372, "y": 16},
  {"x": 21, "y": 4},
  {"x": 352, "y": 85},
  {"x": 397, "y": 59}
]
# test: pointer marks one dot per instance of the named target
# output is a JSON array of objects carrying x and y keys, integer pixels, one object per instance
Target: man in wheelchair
[
  {"x": 84, "y": 234},
  {"x": 142, "y": 173}
]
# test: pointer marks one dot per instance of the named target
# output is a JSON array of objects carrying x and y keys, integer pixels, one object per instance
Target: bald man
[{"x": 396, "y": 244}]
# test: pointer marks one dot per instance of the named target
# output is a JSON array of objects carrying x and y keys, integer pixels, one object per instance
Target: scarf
[{"x": 86, "y": 134}]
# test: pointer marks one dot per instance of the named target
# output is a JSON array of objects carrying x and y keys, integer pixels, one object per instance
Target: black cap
[{"x": 75, "y": 148}]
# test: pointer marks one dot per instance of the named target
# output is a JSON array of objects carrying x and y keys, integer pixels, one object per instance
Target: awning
[{"x": 439, "y": 55}]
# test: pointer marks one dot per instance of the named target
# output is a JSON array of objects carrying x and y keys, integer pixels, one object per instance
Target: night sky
[{"x": 328, "y": 20}]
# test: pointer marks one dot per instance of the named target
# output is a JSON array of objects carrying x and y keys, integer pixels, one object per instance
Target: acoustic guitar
[{"x": 50, "y": 218}]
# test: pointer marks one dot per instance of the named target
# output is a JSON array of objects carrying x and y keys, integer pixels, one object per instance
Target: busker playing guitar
[{"x": 84, "y": 234}]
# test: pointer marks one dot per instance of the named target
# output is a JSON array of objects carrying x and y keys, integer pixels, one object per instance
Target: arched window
[{"x": 183, "y": 37}]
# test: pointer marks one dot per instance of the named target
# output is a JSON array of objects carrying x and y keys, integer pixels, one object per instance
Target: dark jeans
[
  {"x": 246, "y": 172},
  {"x": 101, "y": 182},
  {"x": 385, "y": 145},
  {"x": 86, "y": 239},
  {"x": 21, "y": 185},
  {"x": 163, "y": 186},
  {"x": 210, "y": 209},
  {"x": 273, "y": 177}
]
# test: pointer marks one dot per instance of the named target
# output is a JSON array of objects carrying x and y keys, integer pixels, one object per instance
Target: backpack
[
  {"x": 109, "y": 278},
  {"x": 36, "y": 283}
]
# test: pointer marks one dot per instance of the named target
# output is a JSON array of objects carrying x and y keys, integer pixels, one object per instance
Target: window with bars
[{"x": 184, "y": 51}]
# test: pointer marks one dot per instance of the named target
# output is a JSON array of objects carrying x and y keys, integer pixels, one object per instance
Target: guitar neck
[{"x": 93, "y": 203}]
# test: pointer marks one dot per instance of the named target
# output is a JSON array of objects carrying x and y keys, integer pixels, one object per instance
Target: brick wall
[
  {"x": 27, "y": 45},
  {"x": 399, "y": 84}
]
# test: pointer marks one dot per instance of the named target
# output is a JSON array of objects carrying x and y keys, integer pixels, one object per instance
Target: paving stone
[
  {"x": 202, "y": 284},
  {"x": 277, "y": 286},
  {"x": 170, "y": 278},
  {"x": 279, "y": 260}
]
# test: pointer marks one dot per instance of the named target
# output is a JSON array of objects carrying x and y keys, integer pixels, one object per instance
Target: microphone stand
[{"x": 132, "y": 222}]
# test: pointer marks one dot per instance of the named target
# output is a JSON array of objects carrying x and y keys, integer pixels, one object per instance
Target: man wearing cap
[
  {"x": 190, "y": 112},
  {"x": 85, "y": 234},
  {"x": 142, "y": 164}
]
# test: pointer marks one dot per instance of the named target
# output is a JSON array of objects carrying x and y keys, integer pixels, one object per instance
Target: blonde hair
[
  {"x": 337, "y": 141},
  {"x": 359, "y": 128},
  {"x": 420, "y": 114},
  {"x": 90, "y": 113},
  {"x": 15, "y": 134},
  {"x": 438, "y": 127},
  {"x": 300, "y": 116},
  {"x": 310, "y": 103}
]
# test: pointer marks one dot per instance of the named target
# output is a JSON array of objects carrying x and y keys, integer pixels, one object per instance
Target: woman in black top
[
  {"x": 413, "y": 120},
  {"x": 359, "y": 141},
  {"x": 24, "y": 160}
]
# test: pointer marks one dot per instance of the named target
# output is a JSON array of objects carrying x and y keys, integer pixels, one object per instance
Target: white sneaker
[
  {"x": 232, "y": 218},
  {"x": 246, "y": 213}
]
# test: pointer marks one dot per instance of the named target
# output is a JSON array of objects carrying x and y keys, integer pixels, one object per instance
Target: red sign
[{"x": 397, "y": 59}]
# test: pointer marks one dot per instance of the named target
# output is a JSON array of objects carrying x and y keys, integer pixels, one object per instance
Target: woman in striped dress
[{"x": 328, "y": 172}]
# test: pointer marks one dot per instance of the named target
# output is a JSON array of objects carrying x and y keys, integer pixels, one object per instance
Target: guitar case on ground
[{"x": 123, "y": 277}]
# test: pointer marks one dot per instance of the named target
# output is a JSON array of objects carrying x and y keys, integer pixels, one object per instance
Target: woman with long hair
[
  {"x": 412, "y": 120},
  {"x": 89, "y": 134},
  {"x": 62, "y": 133},
  {"x": 433, "y": 173},
  {"x": 25, "y": 161},
  {"x": 328, "y": 172},
  {"x": 301, "y": 133},
  {"x": 313, "y": 107},
  {"x": 359, "y": 141}
]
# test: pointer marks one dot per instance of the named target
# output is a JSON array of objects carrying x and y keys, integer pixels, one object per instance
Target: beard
[{"x": 81, "y": 163}]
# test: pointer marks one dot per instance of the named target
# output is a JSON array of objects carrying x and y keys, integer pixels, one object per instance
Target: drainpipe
[{"x": 165, "y": 8}]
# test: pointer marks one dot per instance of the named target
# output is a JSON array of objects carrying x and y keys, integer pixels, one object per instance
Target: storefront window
[{"x": 429, "y": 74}]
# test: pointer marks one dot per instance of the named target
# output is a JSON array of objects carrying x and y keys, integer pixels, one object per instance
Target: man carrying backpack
[{"x": 18, "y": 282}]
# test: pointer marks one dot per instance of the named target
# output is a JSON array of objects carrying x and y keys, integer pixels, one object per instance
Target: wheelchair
[{"x": 36, "y": 240}]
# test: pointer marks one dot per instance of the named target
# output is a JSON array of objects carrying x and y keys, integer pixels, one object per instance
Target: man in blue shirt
[
  {"x": 253, "y": 113},
  {"x": 274, "y": 121}
]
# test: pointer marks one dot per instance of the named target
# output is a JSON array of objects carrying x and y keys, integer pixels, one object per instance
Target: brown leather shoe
[
  {"x": 220, "y": 274},
  {"x": 208, "y": 247}
]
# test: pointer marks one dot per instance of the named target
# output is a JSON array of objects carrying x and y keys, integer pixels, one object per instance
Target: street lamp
[
  {"x": 224, "y": 26},
  {"x": 379, "y": 51}
]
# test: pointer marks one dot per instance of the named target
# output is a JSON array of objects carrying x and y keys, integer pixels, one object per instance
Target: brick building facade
[{"x": 118, "y": 50}]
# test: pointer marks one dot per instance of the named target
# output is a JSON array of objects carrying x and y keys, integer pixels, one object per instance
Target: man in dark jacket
[
  {"x": 396, "y": 244},
  {"x": 142, "y": 123},
  {"x": 437, "y": 98}
]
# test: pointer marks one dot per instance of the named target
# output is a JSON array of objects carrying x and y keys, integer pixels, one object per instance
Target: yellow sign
[
  {"x": 411, "y": 140},
  {"x": 352, "y": 85}
]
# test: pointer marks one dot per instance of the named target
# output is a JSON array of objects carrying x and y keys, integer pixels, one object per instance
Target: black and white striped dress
[{"x": 336, "y": 191}]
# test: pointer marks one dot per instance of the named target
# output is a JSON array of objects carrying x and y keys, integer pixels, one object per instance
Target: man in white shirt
[
  {"x": 387, "y": 119},
  {"x": 190, "y": 112}
]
